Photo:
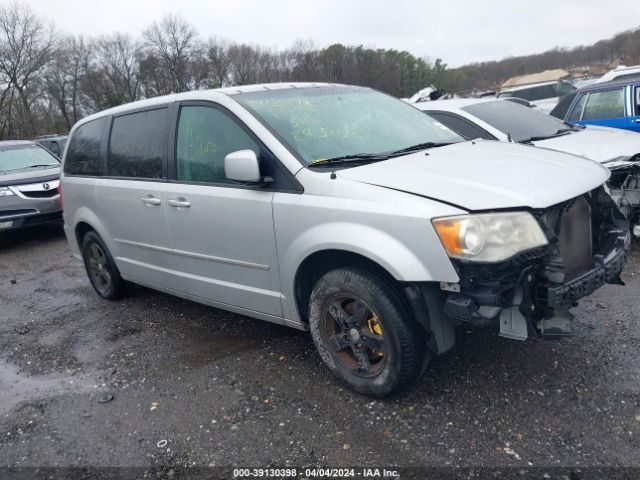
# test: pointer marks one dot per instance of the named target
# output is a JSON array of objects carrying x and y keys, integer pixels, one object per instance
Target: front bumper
[
  {"x": 607, "y": 269},
  {"x": 537, "y": 285},
  {"x": 17, "y": 212},
  {"x": 32, "y": 220}
]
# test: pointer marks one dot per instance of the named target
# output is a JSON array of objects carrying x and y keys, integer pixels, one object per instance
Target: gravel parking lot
[{"x": 163, "y": 383}]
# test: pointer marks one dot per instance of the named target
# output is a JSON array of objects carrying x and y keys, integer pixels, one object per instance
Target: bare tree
[
  {"x": 64, "y": 76},
  {"x": 26, "y": 45},
  {"x": 118, "y": 57},
  {"x": 220, "y": 61},
  {"x": 172, "y": 41}
]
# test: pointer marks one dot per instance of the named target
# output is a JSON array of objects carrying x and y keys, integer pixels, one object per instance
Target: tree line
[
  {"x": 623, "y": 47},
  {"x": 49, "y": 80}
]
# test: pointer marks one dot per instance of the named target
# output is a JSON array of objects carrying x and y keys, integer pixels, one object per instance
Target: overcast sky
[{"x": 457, "y": 31}]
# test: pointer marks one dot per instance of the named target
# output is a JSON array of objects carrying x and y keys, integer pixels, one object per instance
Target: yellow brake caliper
[{"x": 375, "y": 327}]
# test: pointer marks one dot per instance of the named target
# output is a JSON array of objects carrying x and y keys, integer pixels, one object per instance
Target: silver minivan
[{"x": 343, "y": 211}]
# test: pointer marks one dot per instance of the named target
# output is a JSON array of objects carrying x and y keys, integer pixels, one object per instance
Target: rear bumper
[{"x": 607, "y": 269}]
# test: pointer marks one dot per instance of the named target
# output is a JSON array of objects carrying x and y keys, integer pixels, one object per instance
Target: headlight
[
  {"x": 489, "y": 237},
  {"x": 5, "y": 192}
]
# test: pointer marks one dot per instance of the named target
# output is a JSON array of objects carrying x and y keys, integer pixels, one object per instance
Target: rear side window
[
  {"x": 83, "y": 154},
  {"x": 138, "y": 145},
  {"x": 461, "y": 126},
  {"x": 534, "y": 93},
  {"x": 604, "y": 105}
]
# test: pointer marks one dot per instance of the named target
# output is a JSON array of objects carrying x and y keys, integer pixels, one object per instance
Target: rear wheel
[
  {"x": 101, "y": 268},
  {"x": 364, "y": 333}
]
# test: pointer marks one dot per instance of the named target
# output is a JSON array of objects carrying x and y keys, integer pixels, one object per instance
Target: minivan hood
[
  {"x": 29, "y": 176},
  {"x": 486, "y": 175},
  {"x": 597, "y": 143}
]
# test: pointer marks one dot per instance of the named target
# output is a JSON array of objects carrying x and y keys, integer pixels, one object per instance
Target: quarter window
[
  {"x": 138, "y": 145},
  {"x": 576, "y": 113},
  {"x": 83, "y": 154},
  {"x": 55, "y": 148},
  {"x": 603, "y": 105},
  {"x": 206, "y": 136}
]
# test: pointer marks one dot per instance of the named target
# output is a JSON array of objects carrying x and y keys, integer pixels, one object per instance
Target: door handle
[
  {"x": 637, "y": 120},
  {"x": 179, "y": 203},
  {"x": 151, "y": 200}
]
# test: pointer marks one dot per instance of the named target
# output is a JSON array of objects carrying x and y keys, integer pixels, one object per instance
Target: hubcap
[
  {"x": 354, "y": 335},
  {"x": 97, "y": 263}
]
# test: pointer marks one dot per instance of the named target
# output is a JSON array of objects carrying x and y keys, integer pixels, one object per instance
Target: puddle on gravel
[
  {"x": 204, "y": 352},
  {"x": 16, "y": 388}
]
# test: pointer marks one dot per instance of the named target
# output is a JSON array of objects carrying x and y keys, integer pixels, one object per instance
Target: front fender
[{"x": 398, "y": 258}]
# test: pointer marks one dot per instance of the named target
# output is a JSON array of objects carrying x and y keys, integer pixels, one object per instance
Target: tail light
[{"x": 60, "y": 194}]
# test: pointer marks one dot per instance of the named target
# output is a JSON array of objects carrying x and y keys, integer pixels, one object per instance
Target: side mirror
[{"x": 242, "y": 166}]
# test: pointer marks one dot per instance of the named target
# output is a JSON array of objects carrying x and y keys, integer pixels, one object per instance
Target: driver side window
[{"x": 206, "y": 135}]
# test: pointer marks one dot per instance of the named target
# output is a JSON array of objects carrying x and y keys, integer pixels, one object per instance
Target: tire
[
  {"x": 101, "y": 269},
  {"x": 371, "y": 360}
]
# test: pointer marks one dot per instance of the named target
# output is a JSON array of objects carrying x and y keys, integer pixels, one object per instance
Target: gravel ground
[{"x": 158, "y": 382}]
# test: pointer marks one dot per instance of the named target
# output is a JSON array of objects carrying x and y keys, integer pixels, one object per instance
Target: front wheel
[{"x": 364, "y": 333}]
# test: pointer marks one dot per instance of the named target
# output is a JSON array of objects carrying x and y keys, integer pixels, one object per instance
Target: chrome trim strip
[
  {"x": 19, "y": 215},
  {"x": 209, "y": 258}
]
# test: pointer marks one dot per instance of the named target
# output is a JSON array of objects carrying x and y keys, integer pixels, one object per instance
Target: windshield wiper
[
  {"x": 354, "y": 158},
  {"x": 376, "y": 157},
  {"x": 559, "y": 132},
  {"x": 44, "y": 165},
  {"x": 417, "y": 147}
]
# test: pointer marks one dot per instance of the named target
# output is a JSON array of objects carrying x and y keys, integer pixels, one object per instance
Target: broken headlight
[
  {"x": 5, "y": 192},
  {"x": 489, "y": 237}
]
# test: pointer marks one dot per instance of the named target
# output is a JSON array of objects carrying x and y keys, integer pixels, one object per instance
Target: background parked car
[
  {"x": 619, "y": 150},
  {"x": 544, "y": 96},
  {"x": 29, "y": 181},
  {"x": 611, "y": 104},
  {"x": 54, "y": 143},
  {"x": 620, "y": 73}
]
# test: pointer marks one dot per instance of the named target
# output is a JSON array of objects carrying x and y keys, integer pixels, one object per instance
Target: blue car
[{"x": 613, "y": 104}]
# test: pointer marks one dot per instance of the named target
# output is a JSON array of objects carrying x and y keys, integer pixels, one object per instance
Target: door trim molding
[{"x": 199, "y": 256}]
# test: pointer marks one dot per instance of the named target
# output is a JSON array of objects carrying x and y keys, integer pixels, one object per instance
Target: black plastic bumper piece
[{"x": 607, "y": 269}]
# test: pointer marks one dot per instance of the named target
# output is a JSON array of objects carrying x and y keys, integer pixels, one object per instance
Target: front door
[{"x": 222, "y": 232}]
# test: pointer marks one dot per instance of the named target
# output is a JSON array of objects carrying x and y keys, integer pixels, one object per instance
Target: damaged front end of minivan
[{"x": 587, "y": 244}]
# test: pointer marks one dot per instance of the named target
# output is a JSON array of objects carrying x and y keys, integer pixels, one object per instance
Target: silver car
[
  {"x": 29, "y": 180},
  {"x": 339, "y": 210}
]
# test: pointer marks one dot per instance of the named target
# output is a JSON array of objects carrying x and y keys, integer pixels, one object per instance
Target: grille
[
  {"x": 572, "y": 223},
  {"x": 41, "y": 194}
]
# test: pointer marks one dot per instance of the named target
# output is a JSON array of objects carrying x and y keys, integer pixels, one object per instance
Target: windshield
[
  {"x": 521, "y": 122},
  {"x": 28, "y": 156},
  {"x": 319, "y": 123}
]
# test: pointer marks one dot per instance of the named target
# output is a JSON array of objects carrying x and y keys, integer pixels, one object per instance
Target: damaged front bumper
[{"x": 589, "y": 243}]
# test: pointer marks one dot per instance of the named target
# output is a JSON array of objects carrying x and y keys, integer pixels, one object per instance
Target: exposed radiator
[{"x": 572, "y": 222}]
